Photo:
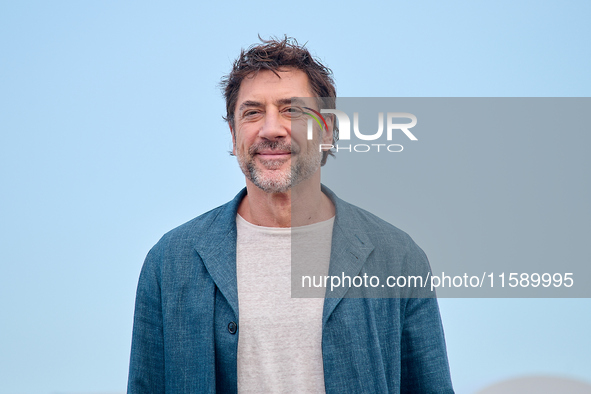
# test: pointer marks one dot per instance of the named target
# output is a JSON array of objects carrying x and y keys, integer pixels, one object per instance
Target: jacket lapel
[
  {"x": 217, "y": 249},
  {"x": 349, "y": 251}
]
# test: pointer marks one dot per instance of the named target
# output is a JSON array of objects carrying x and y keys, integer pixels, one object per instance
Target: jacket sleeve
[
  {"x": 146, "y": 369},
  {"x": 424, "y": 364}
]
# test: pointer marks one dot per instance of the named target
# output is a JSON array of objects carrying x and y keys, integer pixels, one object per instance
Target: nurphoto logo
[{"x": 344, "y": 123}]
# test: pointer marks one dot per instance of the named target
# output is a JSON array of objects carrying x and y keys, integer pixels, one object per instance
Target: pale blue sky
[{"x": 111, "y": 134}]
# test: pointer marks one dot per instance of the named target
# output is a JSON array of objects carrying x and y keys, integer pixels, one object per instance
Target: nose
[{"x": 274, "y": 126}]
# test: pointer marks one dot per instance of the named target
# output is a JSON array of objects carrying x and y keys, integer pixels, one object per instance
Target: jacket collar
[{"x": 216, "y": 245}]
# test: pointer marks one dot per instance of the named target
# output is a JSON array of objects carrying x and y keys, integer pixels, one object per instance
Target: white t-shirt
[{"x": 280, "y": 338}]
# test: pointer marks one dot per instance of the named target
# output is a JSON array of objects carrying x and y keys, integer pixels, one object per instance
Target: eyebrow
[
  {"x": 297, "y": 100},
  {"x": 284, "y": 101},
  {"x": 249, "y": 103}
]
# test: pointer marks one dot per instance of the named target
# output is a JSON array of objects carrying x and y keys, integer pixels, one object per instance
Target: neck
[{"x": 303, "y": 204}]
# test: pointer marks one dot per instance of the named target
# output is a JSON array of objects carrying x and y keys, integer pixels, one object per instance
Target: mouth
[{"x": 273, "y": 154}]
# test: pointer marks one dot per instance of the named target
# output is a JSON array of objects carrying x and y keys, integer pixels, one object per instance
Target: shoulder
[
  {"x": 388, "y": 240},
  {"x": 375, "y": 226},
  {"x": 205, "y": 229},
  {"x": 357, "y": 221},
  {"x": 197, "y": 226}
]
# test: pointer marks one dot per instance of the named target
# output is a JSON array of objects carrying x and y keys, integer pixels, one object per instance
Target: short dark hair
[{"x": 275, "y": 55}]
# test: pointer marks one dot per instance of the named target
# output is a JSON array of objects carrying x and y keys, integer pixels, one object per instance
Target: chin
[{"x": 280, "y": 183}]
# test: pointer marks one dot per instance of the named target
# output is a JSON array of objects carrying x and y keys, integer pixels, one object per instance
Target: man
[{"x": 213, "y": 309}]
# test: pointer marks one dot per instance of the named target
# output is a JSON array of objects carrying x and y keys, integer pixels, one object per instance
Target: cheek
[
  {"x": 241, "y": 144},
  {"x": 237, "y": 138},
  {"x": 311, "y": 146}
]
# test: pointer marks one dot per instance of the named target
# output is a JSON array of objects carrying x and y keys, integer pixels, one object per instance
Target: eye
[
  {"x": 251, "y": 113},
  {"x": 294, "y": 112}
]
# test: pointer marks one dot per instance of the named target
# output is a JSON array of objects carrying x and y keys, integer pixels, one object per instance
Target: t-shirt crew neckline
[{"x": 282, "y": 230}]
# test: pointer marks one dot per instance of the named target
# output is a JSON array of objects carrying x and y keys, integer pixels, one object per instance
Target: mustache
[{"x": 273, "y": 145}]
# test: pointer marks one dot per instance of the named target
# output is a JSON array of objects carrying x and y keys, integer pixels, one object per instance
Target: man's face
[{"x": 270, "y": 155}]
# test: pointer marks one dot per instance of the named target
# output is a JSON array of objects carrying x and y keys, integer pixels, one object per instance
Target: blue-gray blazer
[{"x": 187, "y": 322}]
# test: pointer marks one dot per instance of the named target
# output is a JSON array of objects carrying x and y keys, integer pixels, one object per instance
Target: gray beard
[
  {"x": 280, "y": 185},
  {"x": 303, "y": 169}
]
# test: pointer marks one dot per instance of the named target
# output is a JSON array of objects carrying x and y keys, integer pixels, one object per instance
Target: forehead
[{"x": 266, "y": 86}]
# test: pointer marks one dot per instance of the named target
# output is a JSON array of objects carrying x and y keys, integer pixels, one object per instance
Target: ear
[
  {"x": 233, "y": 139},
  {"x": 327, "y": 135}
]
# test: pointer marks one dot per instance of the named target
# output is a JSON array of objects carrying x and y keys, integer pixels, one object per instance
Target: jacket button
[{"x": 232, "y": 327}]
